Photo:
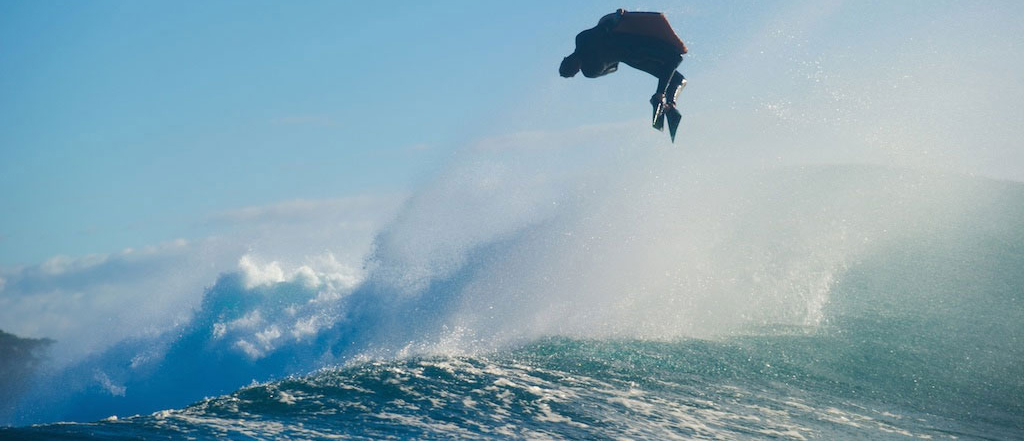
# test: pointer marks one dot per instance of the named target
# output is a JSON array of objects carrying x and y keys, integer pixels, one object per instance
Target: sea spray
[{"x": 509, "y": 245}]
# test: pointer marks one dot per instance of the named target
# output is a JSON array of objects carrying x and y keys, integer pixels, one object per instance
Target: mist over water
[
  {"x": 831, "y": 243},
  {"x": 526, "y": 239},
  {"x": 883, "y": 297}
]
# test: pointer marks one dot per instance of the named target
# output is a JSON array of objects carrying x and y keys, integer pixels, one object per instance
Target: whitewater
[
  {"x": 518, "y": 296},
  {"x": 833, "y": 249}
]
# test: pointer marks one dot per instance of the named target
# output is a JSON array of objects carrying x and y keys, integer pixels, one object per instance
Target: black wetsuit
[{"x": 600, "y": 51}]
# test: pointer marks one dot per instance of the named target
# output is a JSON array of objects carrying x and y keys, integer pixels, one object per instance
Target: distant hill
[{"x": 19, "y": 358}]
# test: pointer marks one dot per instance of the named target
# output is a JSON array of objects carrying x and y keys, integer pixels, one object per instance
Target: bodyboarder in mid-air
[{"x": 643, "y": 40}]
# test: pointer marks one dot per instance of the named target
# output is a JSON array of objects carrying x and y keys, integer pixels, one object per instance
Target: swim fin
[
  {"x": 658, "y": 121},
  {"x": 674, "y": 117}
]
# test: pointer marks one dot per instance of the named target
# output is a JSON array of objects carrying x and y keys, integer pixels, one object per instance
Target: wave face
[
  {"x": 748, "y": 388},
  {"x": 814, "y": 302}
]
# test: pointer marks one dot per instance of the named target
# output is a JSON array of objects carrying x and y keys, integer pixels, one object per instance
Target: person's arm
[{"x": 570, "y": 66}]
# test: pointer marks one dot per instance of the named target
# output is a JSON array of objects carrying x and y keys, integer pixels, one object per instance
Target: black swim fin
[
  {"x": 658, "y": 121},
  {"x": 674, "y": 117}
]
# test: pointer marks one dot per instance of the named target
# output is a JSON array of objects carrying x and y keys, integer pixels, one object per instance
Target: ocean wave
[
  {"x": 555, "y": 389},
  {"x": 918, "y": 266}
]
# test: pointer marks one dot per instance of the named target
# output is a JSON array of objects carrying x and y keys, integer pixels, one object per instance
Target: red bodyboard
[{"x": 650, "y": 24}]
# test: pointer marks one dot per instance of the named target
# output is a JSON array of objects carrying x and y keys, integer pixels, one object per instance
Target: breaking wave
[{"x": 670, "y": 292}]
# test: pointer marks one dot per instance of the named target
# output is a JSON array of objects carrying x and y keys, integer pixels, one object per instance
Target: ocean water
[
  {"x": 576, "y": 389},
  {"x": 827, "y": 302},
  {"x": 750, "y": 388}
]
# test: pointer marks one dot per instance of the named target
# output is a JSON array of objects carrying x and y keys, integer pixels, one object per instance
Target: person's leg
[
  {"x": 669, "y": 79},
  {"x": 659, "y": 94},
  {"x": 675, "y": 85}
]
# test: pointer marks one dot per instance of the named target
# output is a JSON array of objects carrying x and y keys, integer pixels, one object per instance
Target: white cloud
[
  {"x": 63, "y": 264},
  {"x": 352, "y": 208},
  {"x": 90, "y": 302}
]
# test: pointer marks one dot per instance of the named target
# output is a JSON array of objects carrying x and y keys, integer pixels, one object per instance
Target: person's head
[{"x": 570, "y": 66}]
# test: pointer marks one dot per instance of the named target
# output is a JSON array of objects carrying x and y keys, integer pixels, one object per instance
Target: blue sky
[
  {"x": 125, "y": 121},
  {"x": 126, "y": 124}
]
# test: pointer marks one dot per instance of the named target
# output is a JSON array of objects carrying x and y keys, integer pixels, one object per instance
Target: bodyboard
[{"x": 650, "y": 24}]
